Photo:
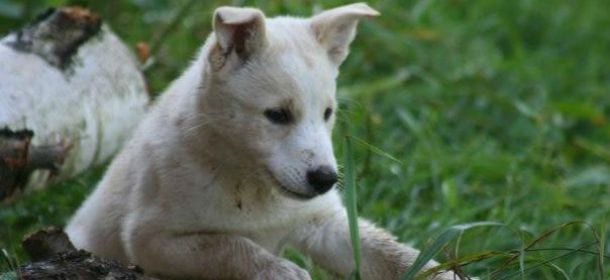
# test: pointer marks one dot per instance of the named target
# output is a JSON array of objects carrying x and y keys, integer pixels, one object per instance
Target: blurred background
[{"x": 462, "y": 111}]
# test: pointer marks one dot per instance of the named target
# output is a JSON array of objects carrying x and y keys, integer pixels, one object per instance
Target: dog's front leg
[
  {"x": 208, "y": 256},
  {"x": 326, "y": 239}
]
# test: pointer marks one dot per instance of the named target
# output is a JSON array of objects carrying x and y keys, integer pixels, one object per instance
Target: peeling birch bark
[{"x": 70, "y": 94}]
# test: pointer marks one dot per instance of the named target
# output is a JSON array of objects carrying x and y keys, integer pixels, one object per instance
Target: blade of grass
[
  {"x": 350, "y": 203},
  {"x": 543, "y": 263},
  {"x": 376, "y": 150},
  {"x": 427, "y": 255},
  {"x": 463, "y": 261},
  {"x": 522, "y": 250},
  {"x": 445, "y": 238},
  {"x": 590, "y": 252},
  {"x": 530, "y": 245},
  {"x": 12, "y": 266},
  {"x": 7, "y": 259},
  {"x": 560, "y": 270},
  {"x": 601, "y": 247}
]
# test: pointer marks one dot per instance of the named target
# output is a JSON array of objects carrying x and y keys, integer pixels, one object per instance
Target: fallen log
[
  {"x": 70, "y": 94},
  {"x": 54, "y": 257}
]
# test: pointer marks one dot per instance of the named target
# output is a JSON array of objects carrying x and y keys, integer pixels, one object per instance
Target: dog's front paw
[{"x": 282, "y": 269}]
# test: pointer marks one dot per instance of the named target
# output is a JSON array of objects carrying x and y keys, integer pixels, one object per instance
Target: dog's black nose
[{"x": 322, "y": 179}]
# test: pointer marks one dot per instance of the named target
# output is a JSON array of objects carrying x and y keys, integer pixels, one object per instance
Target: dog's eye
[
  {"x": 279, "y": 116},
  {"x": 327, "y": 113}
]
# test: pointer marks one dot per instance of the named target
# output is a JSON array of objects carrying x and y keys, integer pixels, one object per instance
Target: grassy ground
[{"x": 495, "y": 111}]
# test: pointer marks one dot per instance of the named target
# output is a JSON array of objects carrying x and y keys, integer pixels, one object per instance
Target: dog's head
[{"x": 271, "y": 92}]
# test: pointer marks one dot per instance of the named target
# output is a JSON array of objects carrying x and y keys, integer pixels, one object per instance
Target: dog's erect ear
[
  {"x": 335, "y": 29},
  {"x": 240, "y": 31}
]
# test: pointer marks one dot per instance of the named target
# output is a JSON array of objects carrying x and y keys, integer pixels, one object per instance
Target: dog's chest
[
  {"x": 207, "y": 203},
  {"x": 265, "y": 224}
]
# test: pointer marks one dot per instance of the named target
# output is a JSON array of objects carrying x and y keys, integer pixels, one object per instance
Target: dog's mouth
[{"x": 287, "y": 191}]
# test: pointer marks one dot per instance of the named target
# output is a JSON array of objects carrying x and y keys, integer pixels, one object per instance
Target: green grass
[{"x": 490, "y": 110}]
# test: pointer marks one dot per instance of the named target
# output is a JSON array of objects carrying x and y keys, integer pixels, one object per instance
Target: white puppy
[{"x": 235, "y": 161}]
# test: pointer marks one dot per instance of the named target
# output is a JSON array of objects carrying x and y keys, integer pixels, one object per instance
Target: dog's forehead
[
  {"x": 300, "y": 58},
  {"x": 294, "y": 69},
  {"x": 309, "y": 78}
]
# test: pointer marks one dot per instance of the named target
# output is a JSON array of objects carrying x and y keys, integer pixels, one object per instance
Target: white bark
[{"x": 91, "y": 102}]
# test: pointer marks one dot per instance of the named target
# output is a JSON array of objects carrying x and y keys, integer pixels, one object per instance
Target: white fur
[{"x": 203, "y": 188}]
